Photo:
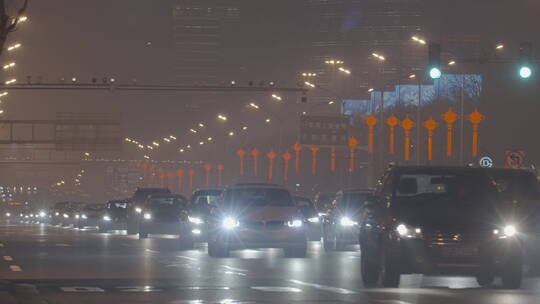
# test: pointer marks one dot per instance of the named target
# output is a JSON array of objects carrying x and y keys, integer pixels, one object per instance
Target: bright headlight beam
[
  {"x": 230, "y": 223},
  {"x": 345, "y": 221},
  {"x": 294, "y": 223}
]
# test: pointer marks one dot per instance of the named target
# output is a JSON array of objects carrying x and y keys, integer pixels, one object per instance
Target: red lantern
[
  {"x": 297, "y": 148},
  {"x": 271, "y": 156},
  {"x": 353, "y": 142},
  {"x": 255, "y": 154},
  {"x": 392, "y": 122},
  {"x": 180, "y": 175},
  {"x": 371, "y": 121},
  {"x": 220, "y": 168},
  {"x": 191, "y": 172},
  {"x": 207, "y": 168},
  {"x": 286, "y": 157},
  {"x": 333, "y": 159},
  {"x": 314, "y": 151},
  {"x": 475, "y": 118},
  {"x": 241, "y": 154},
  {"x": 170, "y": 179}
]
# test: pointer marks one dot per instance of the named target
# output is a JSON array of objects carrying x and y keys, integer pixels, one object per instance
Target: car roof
[
  {"x": 208, "y": 190},
  {"x": 161, "y": 195}
]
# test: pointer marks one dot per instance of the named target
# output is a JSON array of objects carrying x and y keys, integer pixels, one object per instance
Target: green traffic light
[
  {"x": 435, "y": 73},
  {"x": 525, "y": 72}
]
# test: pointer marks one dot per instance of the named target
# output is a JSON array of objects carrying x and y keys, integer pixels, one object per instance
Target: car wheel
[
  {"x": 102, "y": 229},
  {"x": 391, "y": 275},
  {"x": 512, "y": 272},
  {"x": 485, "y": 279},
  {"x": 216, "y": 250},
  {"x": 143, "y": 235},
  {"x": 370, "y": 266},
  {"x": 296, "y": 252}
]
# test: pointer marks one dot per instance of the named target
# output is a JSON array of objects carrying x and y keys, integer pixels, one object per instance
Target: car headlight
[
  {"x": 106, "y": 218},
  {"x": 57, "y": 213},
  {"x": 313, "y": 219},
  {"x": 84, "y": 216},
  {"x": 322, "y": 214},
  {"x": 65, "y": 215},
  {"x": 230, "y": 223},
  {"x": 147, "y": 216},
  {"x": 195, "y": 220},
  {"x": 408, "y": 232},
  {"x": 138, "y": 210},
  {"x": 345, "y": 221},
  {"x": 42, "y": 214},
  {"x": 294, "y": 223},
  {"x": 8, "y": 214},
  {"x": 77, "y": 216},
  {"x": 31, "y": 215},
  {"x": 507, "y": 231}
]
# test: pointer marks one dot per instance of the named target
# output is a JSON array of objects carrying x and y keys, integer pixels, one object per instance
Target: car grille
[
  {"x": 260, "y": 225},
  {"x": 439, "y": 238}
]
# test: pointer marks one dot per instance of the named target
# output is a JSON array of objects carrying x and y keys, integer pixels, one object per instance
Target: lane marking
[
  {"x": 324, "y": 287},
  {"x": 236, "y": 273},
  {"x": 15, "y": 268},
  {"x": 391, "y": 302},
  {"x": 276, "y": 289},
  {"x": 187, "y": 258},
  {"x": 151, "y": 251},
  {"x": 8, "y": 258},
  {"x": 62, "y": 245},
  {"x": 81, "y": 289},
  {"x": 234, "y": 268}
]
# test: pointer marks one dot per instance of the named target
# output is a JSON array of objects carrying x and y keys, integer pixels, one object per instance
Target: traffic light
[
  {"x": 525, "y": 60},
  {"x": 434, "y": 63}
]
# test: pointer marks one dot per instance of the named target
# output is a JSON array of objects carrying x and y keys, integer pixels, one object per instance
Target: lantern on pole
[
  {"x": 450, "y": 117},
  {"x": 286, "y": 157},
  {"x": 314, "y": 151},
  {"x": 371, "y": 121},
  {"x": 392, "y": 121},
  {"x": 430, "y": 125},
  {"x": 191, "y": 173},
  {"x": 407, "y": 124},
  {"x": 475, "y": 118},
  {"x": 353, "y": 142},
  {"x": 207, "y": 167},
  {"x": 161, "y": 175},
  {"x": 255, "y": 154},
  {"x": 333, "y": 159},
  {"x": 220, "y": 168},
  {"x": 297, "y": 148},
  {"x": 180, "y": 175},
  {"x": 271, "y": 156},
  {"x": 170, "y": 180},
  {"x": 241, "y": 154}
]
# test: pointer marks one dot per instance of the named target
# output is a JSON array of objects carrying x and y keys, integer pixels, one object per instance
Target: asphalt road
[{"x": 44, "y": 264}]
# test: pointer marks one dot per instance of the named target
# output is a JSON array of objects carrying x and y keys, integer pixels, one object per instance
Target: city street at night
[{"x": 44, "y": 264}]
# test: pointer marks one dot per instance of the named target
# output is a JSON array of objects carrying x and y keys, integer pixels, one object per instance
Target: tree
[{"x": 9, "y": 23}]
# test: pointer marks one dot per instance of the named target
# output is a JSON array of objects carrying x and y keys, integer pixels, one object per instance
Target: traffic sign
[
  {"x": 486, "y": 162},
  {"x": 514, "y": 159},
  {"x": 324, "y": 130}
]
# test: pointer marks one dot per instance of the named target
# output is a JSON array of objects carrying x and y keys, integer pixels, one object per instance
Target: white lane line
[
  {"x": 276, "y": 289},
  {"x": 234, "y": 268},
  {"x": 15, "y": 268},
  {"x": 151, "y": 251},
  {"x": 62, "y": 245},
  {"x": 8, "y": 258},
  {"x": 187, "y": 258},
  {"x": 236, "y": 273},
  {"x": 391, "y": 302},
  {"x": 324, "y": 287}
]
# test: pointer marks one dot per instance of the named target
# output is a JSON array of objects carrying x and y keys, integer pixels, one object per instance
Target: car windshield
[
  {"x": 354, "y": 199},
  {"x": 259, "y": 197},
  {"x": 461, "y": 188},
  {"x": 171, "y": 202},
  {"x": 516, "y": 185}
]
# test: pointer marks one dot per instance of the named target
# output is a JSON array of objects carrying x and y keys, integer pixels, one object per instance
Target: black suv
[
  {"x": 201, "y": 202},
  {"x": 114, "y": 216},
  {"x": 341, "y": 223},
  {"x": 439, "y": 220},
  {"x": 137, "y": 203}
]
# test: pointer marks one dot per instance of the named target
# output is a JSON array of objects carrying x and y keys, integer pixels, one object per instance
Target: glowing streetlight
[
  {"x": 23, "y": 19},
  {"x": 231, "y": 133},
  {"x": 267, "y": 120},
  {"x": 150, "y": 147},
  {"x": 210, "y": 138},
  {"x": 344, "y": 70},
  {"x": 244, "y": 128},
  {"x": 331, "y": 102},
  {"x": 167, "y": 140},
  {"x": 222, "y": 117},
  {"x": 277, "y": 97},
  {"x": 127, "y": 139},
  {"x": 254, "y": 105},
  {"x": 309, "y": 74},
  {"x": 172, "y": 137},
  {"x": 201, "y": 143},
  {"x": 201, "y": 125},
  {"x": 155, "y": 144},
  {"x": 182, "y": 150},
  {"x": 3, "y": 94},
  {"x": 140, "y": 146},
  {"x": 147, "y": 157},
  {"x": 188, "y": 146},
  {"x": 309, "y": 84},
  {"x": 334, "y": 62},
  {"x": 452, "y": 62},
  {"x": 14, "y": 47},
  {"x": 412, "y": 76},
  {"x": 9, "y": 65},
  {"x": 499, "y": 46},
  {"x": 86, "y": 154},
  {"x": 193, "y": 131},
  {"x": 371, "y": 90},
  {"x": 419, "y": 40},
  {"x": 380, "y": 57},
  {"x": 11, "y": 81}
]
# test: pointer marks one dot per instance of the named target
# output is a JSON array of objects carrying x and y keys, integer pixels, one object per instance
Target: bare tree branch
[{"x": 9, "y": 23}]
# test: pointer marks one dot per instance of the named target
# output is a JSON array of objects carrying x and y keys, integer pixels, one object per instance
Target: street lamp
[
  {"x": 253, "y": 105},
  {"x": 344, "y": 70},
  {"x": 334, "y": 62},
  {"x": 222, "y": 117},
  {"x": 371, "y": 90},
  {"x": 155, "y": 144},
  {"x": 11, "y": 81},
  {"x": 419, "y": 40},
  {"x": 378, "y": 56},
  {"x": 309, "y": 74},
  {"x": 201, "y": 125},
  {"x": 309, "y": 84},
  {"x": 244, "y": 128},
  {"x": 231, "y": 133},
  {"x": 9, "y": 65},
  {"x": 267, "y": 120},
  {"x": 193, "y": 131},
  {"x": 499, "y": 46},
  {"x": 14, "y": 47},
  {"x": 452, "y": 62},
  {"x": 412, "y": 76}
]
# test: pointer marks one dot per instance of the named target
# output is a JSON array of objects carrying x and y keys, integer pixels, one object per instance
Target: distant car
[
  {"x": 114, "y": 216},
  {"x": 311, "y": 216},
  {"x": 323, "y": 201},
  {"x": 256, "y": 216},
  {"x": 57, "y": 213},
  {"x": 440, "y": 220},
  {"x": 201, "y": 202},
  {"x": 341, "y": 224},
  {"x": 89, "y": 215},
  {"x": 71, "y": 213},
  {"x": 137, "y": 203},
  {"x": 167, "y": 214},
  {"x": 521, "y": 188}
]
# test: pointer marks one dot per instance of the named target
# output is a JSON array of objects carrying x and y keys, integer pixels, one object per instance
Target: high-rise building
[
  {"x": 200, "y": 28},
  {"x": 351, "y": 30}
]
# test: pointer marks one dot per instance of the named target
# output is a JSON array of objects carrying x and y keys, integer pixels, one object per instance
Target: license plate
[{"x": 459, "y": 252}]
